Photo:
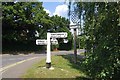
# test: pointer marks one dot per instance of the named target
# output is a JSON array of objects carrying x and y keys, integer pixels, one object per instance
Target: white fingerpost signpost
[
  {"x": 48, "y": 43},
  {"x": 48, "y": 58}
]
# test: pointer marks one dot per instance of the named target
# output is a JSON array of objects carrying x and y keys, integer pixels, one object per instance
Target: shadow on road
[
  {"x": 78, "y": 66},
  {"x": 23, "y": 52}
]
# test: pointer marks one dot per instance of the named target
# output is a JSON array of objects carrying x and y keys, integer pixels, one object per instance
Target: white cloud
[
  {"x": 61, "y": 10},
  {"x": 47, "y": 11}
]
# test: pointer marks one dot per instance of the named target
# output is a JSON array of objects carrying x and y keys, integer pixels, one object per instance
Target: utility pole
[
  {"x": 75, "y": 50},
  {"x": 75, "y": 19}
]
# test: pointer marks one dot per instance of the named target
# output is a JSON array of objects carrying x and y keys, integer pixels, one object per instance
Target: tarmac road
[
  {"x": 10, "y": 59},
  {"x": 13, "y": 66}
]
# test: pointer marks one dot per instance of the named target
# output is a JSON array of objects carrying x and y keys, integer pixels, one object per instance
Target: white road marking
[{"x": 9, "y": 66}]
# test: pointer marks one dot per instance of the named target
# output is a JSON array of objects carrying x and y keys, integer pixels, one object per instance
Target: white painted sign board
[
  {"x": 54, "y": 41},
  {"x": 44, "y": 42},
  {"x": 65, "y": 40},
  {"x": 41, "y": 42},
  {"x": 59, "y": 35},
  {"x": 74, "y": 26}
]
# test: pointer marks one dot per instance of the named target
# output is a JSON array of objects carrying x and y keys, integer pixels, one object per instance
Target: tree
[
  {"x": 61, "y": 24},
  {"x": 21, "y": 21},
  {"x": 24, "y": 19},
  {"x": 101, "y": 21}
]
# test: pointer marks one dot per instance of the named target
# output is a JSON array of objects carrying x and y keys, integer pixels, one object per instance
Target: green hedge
[{"x": 20, "y": 46}]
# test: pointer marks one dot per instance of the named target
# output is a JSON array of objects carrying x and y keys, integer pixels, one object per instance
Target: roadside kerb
[{"x": 9, "y": 66}]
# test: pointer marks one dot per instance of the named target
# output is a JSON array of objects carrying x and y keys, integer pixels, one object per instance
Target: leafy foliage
[
  {"x": 102, "y": 34},
  {"x": 21, "y": 22},
  {"x": 62, "y": 25}
]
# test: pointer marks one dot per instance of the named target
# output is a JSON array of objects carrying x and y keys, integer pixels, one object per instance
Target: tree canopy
[{"x": 22, "y": 21}]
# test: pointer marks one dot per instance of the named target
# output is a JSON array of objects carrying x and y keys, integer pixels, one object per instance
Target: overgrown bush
[{"x": 102, "y": 39}]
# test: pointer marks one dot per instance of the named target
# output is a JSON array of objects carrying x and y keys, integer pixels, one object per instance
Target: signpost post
[
  {"x": 48, "y": 43},
  {"x": 48, "y": 58}
]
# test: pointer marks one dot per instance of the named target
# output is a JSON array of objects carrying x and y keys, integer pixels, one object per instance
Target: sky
[{"x": 56, "y": 8}]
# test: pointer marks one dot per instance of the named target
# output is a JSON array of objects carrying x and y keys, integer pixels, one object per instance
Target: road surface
[
  {"x": 10, "y": 59},
  {"x": 13, "y": 66}
]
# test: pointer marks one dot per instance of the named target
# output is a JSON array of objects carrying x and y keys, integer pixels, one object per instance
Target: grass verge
[{"x": 63, "y": 66}]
